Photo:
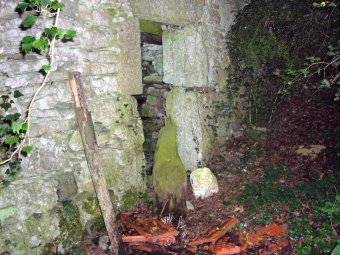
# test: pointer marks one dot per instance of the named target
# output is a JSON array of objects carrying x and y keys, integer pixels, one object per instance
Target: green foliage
[
  {"x": 39, "y": 6},
  {"x": 270, "y": 37},
  {"x": 28, "y": 21},
  {"x": 12, "y": 131},
  {"x": 46, "y": 8},
  {"x": 325, "y": 73},
  {"x": 313, "y": 208}
]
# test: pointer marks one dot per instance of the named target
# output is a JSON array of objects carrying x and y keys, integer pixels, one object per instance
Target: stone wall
[
  {"x": 52, "y": 198},
  {"x": 152, "y": 102},
  {"x": 55, "y": 176},
  {"x": 195, "y": 60}
]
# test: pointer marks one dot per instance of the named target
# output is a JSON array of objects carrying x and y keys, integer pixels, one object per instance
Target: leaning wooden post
[{"x": 91, "y": 150}]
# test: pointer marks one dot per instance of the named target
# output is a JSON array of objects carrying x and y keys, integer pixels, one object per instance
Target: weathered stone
[
  {"x": 7, "y": 212},
  {"x": 185, "y": 60},
  {"x": 67, "y": 186},
  {"x": 169, "y": 191},
  {"x": 29, "y": 196},
  {"x": 203, "y": 120},
  {"x": 173, "y": 12},
  {"x": 203, "y": 182},
  {"x": 152, "y": 79},
  {"x": 190, "y": 206},
  {"x": 103, "y": 242},
  {"x": 130, "y": 72}
]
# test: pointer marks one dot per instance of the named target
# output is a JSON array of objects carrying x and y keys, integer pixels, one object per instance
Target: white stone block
[{"x": 203, "y": 182}]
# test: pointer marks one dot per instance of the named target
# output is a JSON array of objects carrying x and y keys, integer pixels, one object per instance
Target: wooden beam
[{"x": 91, "y": 151}]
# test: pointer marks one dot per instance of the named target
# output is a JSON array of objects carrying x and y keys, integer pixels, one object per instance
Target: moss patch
[
  {"x": 150, "y": 27},
  {"x": 7, "y": 212},
  {"x": 69, "y": 224},
  {"x": 169, "y": 173}
]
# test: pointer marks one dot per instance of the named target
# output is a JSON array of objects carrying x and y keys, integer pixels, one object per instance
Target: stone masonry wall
[
  {"x": 54, "y": 177},
  {"x": 52, "y": 198},
  {"x": 152, "y": 108},
  {"x": 195, "y": 60}
]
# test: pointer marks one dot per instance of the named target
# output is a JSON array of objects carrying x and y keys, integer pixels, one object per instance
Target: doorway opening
[{"x": 151, "y": 104}]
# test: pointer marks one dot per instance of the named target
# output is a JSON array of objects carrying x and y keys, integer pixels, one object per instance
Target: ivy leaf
[
  {"x": 4, "y": 97},
  {"x": 5, "y": 183},
  {"x": 16, "y": 127},
  {"x": 70, "y": 34},
  {"x": 29, "y": 21},
  {"x": 26, "y": 43},
  {"x": 45, "y": 2},
  {"x": 22, "y": 6},
  {"x": 57, "y": 5},
  {"x": 51, "y": 32},
  {"x": 5, "y": 106},
  {"x": 24, "y": 126},
  {"x": 41, "y": 44},
  {"x": 45, "y": 68},
  {"x": 61, "y": 32},
  {"x": 10, "y": 140},
  {"x": 4, "y": 131},
  {"x": 13, "y": 117},
  {"x": 27, "y": 149},
  {"x": 17, "y": 94}
]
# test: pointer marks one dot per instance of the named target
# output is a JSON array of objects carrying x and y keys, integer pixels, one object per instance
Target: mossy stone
[
  {"x": 169, "y": 173},
  {"x": 7, "y": 212},
  {"x": 69, "y": 224},
  {"x": 150, "y": 27}
]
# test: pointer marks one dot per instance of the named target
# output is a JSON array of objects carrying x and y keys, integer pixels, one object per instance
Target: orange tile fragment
[
  {"x": 282, "y": 243},
  {"x": 150, "y": 231},
  {"x": 272, "y": 230},
  {"x": 224, "y": 247},
  {"x": 216, "y": 233}
]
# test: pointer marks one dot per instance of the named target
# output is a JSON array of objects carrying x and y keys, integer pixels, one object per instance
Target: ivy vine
[{"x": 14, "y": 128}]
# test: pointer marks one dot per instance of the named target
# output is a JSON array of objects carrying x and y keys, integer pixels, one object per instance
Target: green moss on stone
[
  {"x": 69, "y": 224},
  {"x": 150, "y": 27},
  {"x": 169, "y": 173},
  {"x": 7, "y": 212},
  {"x": 130, "y": 200},
  {"x": 152, "y": 100},
  {"x": 112, "y": 12}
]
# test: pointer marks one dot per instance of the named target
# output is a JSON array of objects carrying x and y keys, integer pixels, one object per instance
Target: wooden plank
[{"x": 91, "y": 151}]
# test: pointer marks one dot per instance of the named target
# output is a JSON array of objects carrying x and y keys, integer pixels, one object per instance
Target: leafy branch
[
  {"x": 327, "y": 69},
  {"x": 18, "y": 133}
]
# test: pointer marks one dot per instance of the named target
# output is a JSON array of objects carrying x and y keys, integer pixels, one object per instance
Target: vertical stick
[{"x": 91, "y": 150}]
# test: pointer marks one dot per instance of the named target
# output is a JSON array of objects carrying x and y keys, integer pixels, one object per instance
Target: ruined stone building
[{"x": 176, "y": 68}]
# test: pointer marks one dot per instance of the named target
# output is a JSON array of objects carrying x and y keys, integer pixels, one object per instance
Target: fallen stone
[
  {"x": 103, "y": 242},
  {"x": 203, "y": 182}
]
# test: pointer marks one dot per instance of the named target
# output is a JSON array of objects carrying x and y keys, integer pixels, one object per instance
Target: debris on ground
[
  {"x": 150, "y": 231},
  {"x": 151, "y": 234}
]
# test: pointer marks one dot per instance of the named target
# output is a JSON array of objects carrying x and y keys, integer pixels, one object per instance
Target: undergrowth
[{"x": 313, "y": 209}]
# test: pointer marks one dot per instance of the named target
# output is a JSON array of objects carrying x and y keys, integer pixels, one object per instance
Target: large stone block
[
  {"x": 185, "y": 58},
  {"x": 204, "y": 120},
  {"x": 129, "y": 65},
  {"x": 26, "y": 197},
  {"x": 168, "y": 11}
]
